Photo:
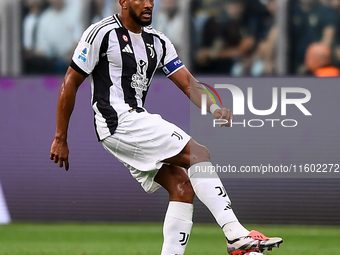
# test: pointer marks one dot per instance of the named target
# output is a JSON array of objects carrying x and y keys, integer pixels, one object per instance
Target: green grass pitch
[{"x": 146, "y": 239}]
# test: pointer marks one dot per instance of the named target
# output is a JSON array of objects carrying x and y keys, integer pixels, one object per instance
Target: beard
[{"x": 138, "y": 20}]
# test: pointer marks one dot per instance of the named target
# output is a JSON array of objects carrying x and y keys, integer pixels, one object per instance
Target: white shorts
[{"x": 142, "y": 141}]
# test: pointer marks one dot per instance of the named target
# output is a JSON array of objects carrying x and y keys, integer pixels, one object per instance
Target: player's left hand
[
  {"x": 224, "y": 114},
  {"x": 59, "y": 153}
]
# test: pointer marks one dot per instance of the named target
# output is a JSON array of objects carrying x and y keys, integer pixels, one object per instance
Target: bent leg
[
  {"x": 209, "y": 188},
  {"x": 178, "y": 219}
]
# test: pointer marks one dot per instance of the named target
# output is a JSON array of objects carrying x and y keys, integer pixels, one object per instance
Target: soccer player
[{"x": 121, "y": 54}]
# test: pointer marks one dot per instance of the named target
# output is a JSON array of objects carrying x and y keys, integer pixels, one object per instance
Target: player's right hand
[
  {"x": 225, "y": 114},
  {"x": 59, "y": 153}
]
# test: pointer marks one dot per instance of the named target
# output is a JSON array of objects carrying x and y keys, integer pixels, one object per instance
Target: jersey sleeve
[
  {"x": 171, "y": 62},
  {"x": 86, "y": 54}
]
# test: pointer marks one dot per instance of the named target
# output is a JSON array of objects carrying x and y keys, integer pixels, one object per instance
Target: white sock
[
  {"x": 234, "y": 230},
  {"x": 210, "y": 190},
  {"x": 177, "y": 228}
]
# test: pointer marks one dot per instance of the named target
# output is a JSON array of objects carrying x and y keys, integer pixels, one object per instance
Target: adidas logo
[{"x": 127, "y": 49}]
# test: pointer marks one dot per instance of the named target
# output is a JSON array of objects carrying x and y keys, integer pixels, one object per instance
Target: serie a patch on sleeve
[
  {"x": 83, "y": 55},
  {"x": 172, "y": 66}
]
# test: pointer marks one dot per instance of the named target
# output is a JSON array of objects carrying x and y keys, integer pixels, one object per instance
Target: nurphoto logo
[{"x": 239, "y": 105}]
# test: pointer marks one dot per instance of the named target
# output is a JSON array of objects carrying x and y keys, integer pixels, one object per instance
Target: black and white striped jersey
[{"x": 121, "y": 65}]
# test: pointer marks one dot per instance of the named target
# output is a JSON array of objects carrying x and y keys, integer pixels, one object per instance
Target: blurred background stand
[{"x": 10, "y": 43}]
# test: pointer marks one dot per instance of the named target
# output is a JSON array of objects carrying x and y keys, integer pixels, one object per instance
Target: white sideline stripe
[{"x": 5, "y": 217}]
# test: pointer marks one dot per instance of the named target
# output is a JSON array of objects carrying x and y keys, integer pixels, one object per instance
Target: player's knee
[
  {"x": 199, "y": 154},
  {"x": 184, "y": 192},
  {"x": 181, "y": 189}
]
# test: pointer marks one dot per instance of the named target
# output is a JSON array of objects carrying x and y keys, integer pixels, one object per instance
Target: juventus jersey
[{"x": 121, "y": 65}]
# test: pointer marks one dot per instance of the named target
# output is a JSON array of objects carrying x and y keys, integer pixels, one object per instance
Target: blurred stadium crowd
[{"x": 224, "y": 37}]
